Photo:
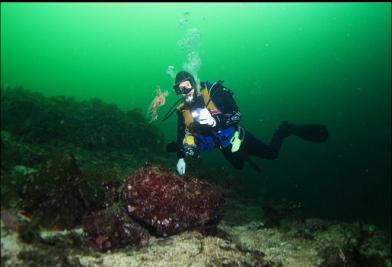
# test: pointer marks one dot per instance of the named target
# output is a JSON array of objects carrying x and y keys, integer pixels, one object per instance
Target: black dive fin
[{"x": 311, "y": 132}]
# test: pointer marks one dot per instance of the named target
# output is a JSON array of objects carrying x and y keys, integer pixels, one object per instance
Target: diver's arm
[
  {"x": 230, "y": 114},
  {"x": 185, "y": 143},
  {"x": 180, "y": 135},
  {"x": 185, "y": 140}
]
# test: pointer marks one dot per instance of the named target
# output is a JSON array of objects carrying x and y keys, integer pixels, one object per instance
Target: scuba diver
[{"x": 208, "y": 118}]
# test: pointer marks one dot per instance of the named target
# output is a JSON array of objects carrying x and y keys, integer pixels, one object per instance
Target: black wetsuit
[{"x": 230, "y": 116}]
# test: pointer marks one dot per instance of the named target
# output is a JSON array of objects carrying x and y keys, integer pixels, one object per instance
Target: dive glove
[
  {"x": 181, "y": 166},
  {"x": 203, "y": 116}
]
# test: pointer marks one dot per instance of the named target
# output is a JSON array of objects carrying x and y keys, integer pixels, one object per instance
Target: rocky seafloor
[
  {"x": 312, "y": 242},
  {"x": 84, "y": 184}
]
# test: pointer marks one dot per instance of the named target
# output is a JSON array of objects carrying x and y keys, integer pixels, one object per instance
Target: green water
[{"x": 326, "y": 63}]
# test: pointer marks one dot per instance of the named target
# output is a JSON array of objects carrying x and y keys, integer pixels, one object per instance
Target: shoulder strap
[{"x": 205, "y": 92}]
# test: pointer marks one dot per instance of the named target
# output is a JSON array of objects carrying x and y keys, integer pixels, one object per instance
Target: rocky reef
[
  {"x": 58, "y": 154},
  {"x": 85, "y": 184},
  {"x": 169, "y": 203},
  {"x": 156, "y": 200},
  {"x": 113, "y": 228},
  {"x": 332, "y": 243},
  {"x": 90, "y": 124}
]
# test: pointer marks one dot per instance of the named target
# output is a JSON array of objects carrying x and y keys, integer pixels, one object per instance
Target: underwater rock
[
  {"x": 366, "y": 246},
  {"x": 54, "y": 193},
  {"x": 14, "y": 152},
  {"x": 169, "y": 203},
  {"x": 13, "y": 219},
  {"x": 113, "y": 192},
  {"x": 113, "y": 228},
  {"x": 245, "y": 246},
  {"x": 276, "y": 212},
  {"x": 333, "y": 257},
  {"x": 185, "y": 249},
  {"x": 92, "y": 124}
]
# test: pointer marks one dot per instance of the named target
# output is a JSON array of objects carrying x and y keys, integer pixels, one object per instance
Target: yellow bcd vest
[{"x": 187, "y": 113}]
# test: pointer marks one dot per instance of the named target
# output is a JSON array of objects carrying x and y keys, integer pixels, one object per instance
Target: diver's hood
[{"x": 183, "y": 76}]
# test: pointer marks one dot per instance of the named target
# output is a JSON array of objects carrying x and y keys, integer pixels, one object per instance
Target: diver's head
[{"x": 186, "y": 86}]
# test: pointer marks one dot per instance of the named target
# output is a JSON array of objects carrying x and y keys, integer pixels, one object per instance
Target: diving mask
[{"x": 183, "y": 88}]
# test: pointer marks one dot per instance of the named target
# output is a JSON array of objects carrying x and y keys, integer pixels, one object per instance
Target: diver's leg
[
  {"x": 256, "y": 147},
  {"x": 309, "y": 132},
  {"x": 234, "y": 158}
]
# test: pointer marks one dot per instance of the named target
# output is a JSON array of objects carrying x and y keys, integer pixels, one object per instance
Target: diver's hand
[
  {"x": 181, "y": 166},
  {"x": 205, "y": 117}
]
